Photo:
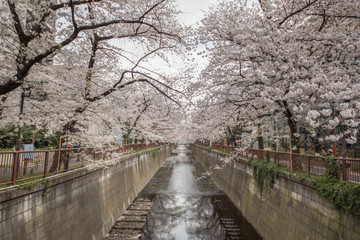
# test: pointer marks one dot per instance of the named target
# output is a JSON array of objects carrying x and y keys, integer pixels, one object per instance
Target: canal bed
[{"x": 187, "y": 204}]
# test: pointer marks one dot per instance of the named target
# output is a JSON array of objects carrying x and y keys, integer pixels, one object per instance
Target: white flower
[{"x": 326, "y": 112}]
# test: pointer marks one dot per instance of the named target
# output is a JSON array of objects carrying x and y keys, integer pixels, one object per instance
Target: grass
[
  {"x": 75, "y": 166},
  {"x": 224, "y": 154},
  {"x": 22, "y": 183}
]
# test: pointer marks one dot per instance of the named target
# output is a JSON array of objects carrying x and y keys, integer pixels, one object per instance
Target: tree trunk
[
  {"x": 18, "y": 139},
  {"x": 35, "y": 132},
  {"x": 54, "y": 165},
  {"x": 344, "y": 147},
  {"x": 232, "y": 137},
  {"x": 294, "y": 139},
  {"x": 293, "y": 129},
  {"x": 260, "y": 140}
]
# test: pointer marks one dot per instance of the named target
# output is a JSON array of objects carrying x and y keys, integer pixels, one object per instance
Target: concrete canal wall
[
  {"x": 83, "y": 204},
  {"x": 292, "y": 209}
]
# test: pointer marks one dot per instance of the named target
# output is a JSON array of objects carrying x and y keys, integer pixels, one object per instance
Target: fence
[
  {"x": 302, "y": 163},
  {"x": 24, "y": 165}
]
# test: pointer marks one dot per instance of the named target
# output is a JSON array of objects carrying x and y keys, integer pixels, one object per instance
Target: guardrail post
[
  {"x": 26, "y": 162},
  {"x": 14, "y": 172},
  {"x": 46, "y": 163},
  {"x": 66, "y": 160},
  {"x": 58, "y": 161}
]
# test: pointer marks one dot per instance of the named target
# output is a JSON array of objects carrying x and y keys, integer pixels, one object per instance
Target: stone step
[
  {"x": 140, "y": 207},
  {"x": 125, "y": 233},
  {"x": 119, "y": 238},
  {"x": 142, "y": 204},
  {"x": 135, "y": 213},
  {"x": 143, "y": 200},
  {"x": 129, "y": 225},
  {"x": 132, "y": 219},
  {"x": 230, "y": 226},
  {"x": 233, "y": 233}
]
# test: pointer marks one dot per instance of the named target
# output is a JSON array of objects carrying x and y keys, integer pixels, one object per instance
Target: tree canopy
[
  {"x": 283, "y": 62},
  {"x": 88, "y": 67},
  {"x": 92, "y": 67}
]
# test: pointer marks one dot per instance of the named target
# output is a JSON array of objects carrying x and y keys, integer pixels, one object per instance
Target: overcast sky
[{"x": 193, "y": 10}]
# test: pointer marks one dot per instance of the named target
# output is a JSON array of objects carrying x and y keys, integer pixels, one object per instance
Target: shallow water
[{"x": 187, "y": 204}]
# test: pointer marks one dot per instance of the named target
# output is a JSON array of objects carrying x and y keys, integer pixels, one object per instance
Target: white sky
[{"x": 193, "y": 10}]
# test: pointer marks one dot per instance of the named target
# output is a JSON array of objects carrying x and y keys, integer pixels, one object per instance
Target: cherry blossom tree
[
  {"x": 35, "y": 30},
  {"x": 286, "y": 61},
  {"x": 72, "y": 62}
]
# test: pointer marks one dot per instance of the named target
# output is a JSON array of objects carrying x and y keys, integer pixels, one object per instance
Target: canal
[{"x": 181, "y": 202}]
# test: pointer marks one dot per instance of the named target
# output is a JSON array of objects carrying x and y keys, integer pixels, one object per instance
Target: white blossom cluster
[
  {"x": 88, "y": 68},
  {"x": 277, "y": 62}
]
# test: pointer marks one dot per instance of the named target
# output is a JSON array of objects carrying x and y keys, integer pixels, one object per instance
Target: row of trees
[
  {"x": 89, "y": 67},
  {"x": 281, "y": 62},
  {"x": 29, "y": 135}
]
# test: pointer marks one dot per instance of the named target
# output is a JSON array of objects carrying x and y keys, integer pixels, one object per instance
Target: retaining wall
[
  {"x": 291, "y": 210},
  {"x": 82, "y": 204}
]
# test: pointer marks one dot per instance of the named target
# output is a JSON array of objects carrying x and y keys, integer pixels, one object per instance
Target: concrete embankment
[
  {"x": 82, "y": 204},
  {"x": 290, "y": 210}
]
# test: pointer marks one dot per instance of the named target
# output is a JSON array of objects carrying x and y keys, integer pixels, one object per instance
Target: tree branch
[
  {"x": 334, "y": 16},
  {"x": 73, "y": 14},
  {"x": 27, "y": 65},
  {"x": 310, "y": 3},
  {"x": 62, "y": 5},
  {"x": 23, "y": 38}
]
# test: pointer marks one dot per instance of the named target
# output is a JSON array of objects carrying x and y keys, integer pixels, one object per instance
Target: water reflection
[
  {"x": 186, "y": 206},
  {"x": 182, "y": 180},
  {"x": 183, "y": 217}
]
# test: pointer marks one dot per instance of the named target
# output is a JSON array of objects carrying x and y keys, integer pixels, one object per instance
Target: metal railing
[
  {"x": 24, "y": 165},
  {"x": 349, "y": 168}
]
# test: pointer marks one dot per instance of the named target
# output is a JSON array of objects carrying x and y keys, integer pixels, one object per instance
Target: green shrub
[
  {"x": 344, "y": 195},
  {"x": 267, "y": 156},
  {"x": 332, "y": 168}
]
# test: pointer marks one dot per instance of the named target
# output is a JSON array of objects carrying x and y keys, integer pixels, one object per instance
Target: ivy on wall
[
  {"x": 344, "y": 195},
  {"x": 332, "y": 168},
  {"x": 151, "y": 152},
  {"x": 264, "y": 172}
]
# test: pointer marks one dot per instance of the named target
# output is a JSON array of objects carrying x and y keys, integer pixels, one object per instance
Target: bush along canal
[{"x": 181, "y": 202}]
